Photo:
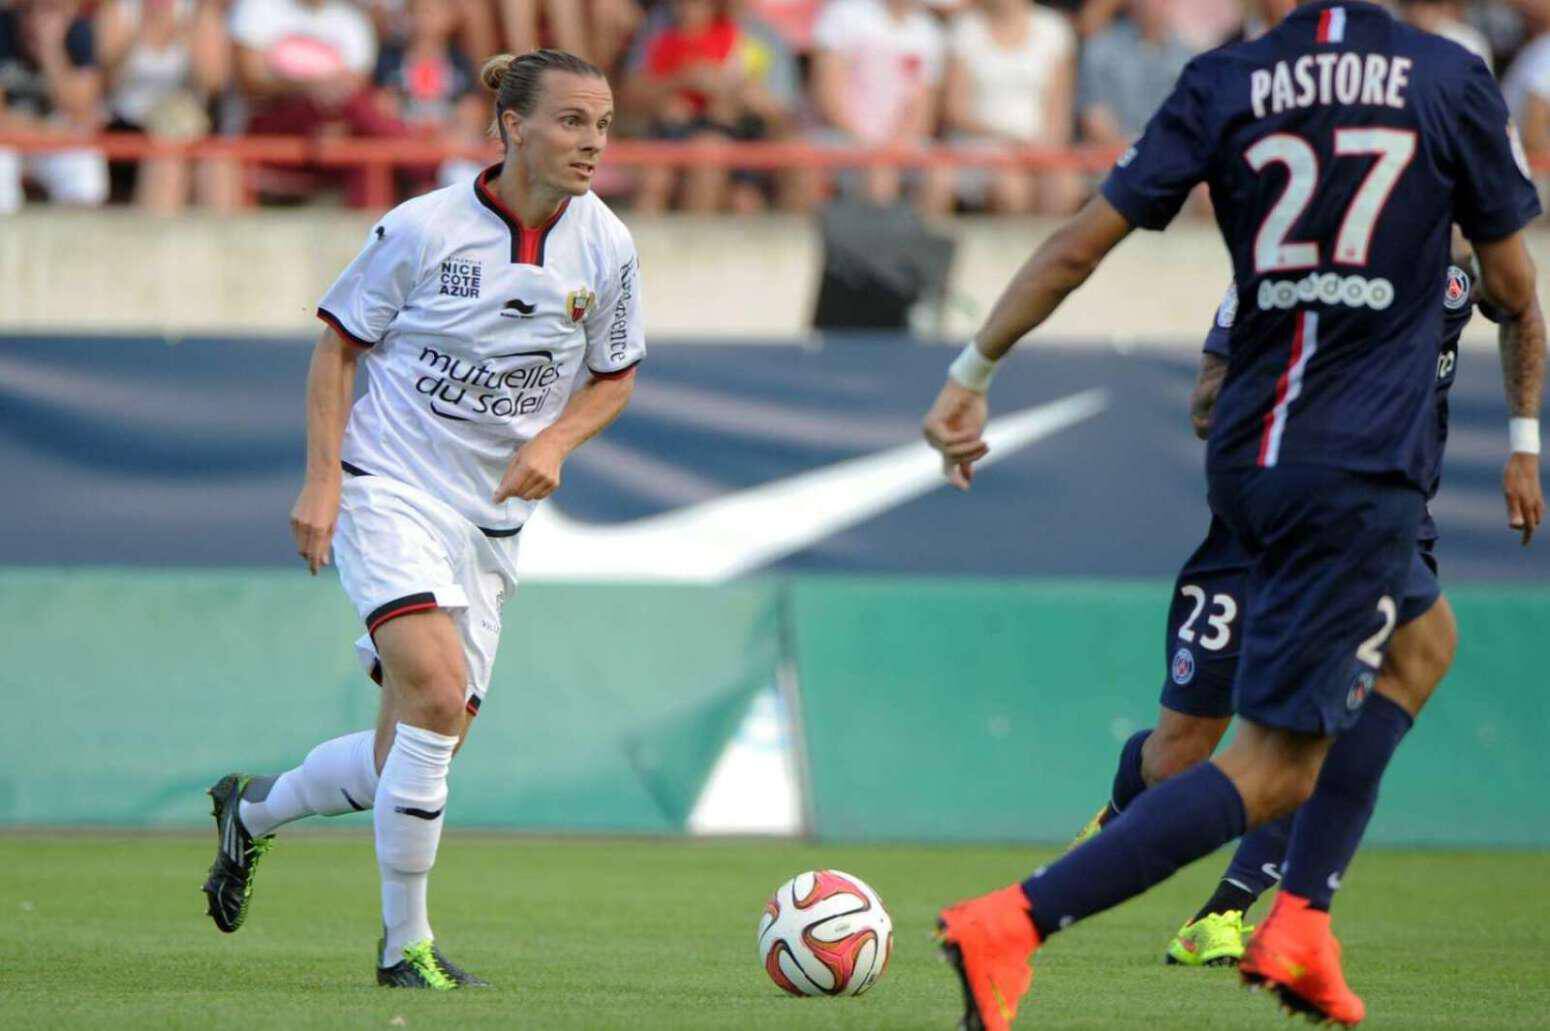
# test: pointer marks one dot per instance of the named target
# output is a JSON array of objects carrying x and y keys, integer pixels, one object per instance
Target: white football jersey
[{"x": 478, "y": 330}]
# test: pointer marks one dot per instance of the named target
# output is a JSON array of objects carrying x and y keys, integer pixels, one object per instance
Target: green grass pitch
[{"x": 107, "y": 930}]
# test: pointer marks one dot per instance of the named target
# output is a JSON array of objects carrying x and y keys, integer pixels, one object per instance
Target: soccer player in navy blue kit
[
  {"x": 1203, "y": 637},
  {"x": 1338, "y": 148}
]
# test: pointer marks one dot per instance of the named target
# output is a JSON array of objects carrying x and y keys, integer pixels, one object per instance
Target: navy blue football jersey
[
  {"x": 1338, "y": 148},
  {"x": 1458, "y": 306}
]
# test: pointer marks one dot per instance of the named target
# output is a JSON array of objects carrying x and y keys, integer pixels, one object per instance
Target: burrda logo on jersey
[{"x": 497, "y": 389}]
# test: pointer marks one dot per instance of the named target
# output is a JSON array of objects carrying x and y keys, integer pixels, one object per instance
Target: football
[{"x": 825, "y": 932}]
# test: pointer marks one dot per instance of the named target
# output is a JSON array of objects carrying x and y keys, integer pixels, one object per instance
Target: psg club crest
[
  {"x": 1456, "y": 294},
  {"x": 578, "y": 303},
  {"x": 1361, "y": 687},
  {"x": 1183, "y": 666}
]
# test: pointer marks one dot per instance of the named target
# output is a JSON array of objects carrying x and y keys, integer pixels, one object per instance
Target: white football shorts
[{"x": 400, "y": 550}]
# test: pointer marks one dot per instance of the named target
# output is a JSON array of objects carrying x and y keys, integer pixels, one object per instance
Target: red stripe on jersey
[
  {"x": 616, "y": 373},
  {"x": 1283, "y": 387},
  {"x": 423, "y": 606},
  {"x": 1325, "y": 17},
  {"x": 332, "y": 321},
  {"x": 527, "y": 245}
]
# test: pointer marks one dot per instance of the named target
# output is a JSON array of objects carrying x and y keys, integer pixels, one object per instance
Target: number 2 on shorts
[{"x": 1370, "y": 651}]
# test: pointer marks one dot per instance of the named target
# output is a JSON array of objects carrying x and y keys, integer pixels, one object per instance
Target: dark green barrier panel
[
  {"x": 933, "y": 710},
  {"x": 1476, "y": 768},
  {"x": 958, "y": 710},
  {"x": 127, "y": 693}
]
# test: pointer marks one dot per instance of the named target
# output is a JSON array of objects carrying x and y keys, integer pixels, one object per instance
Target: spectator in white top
[
  {"x": 1011, "y": 79},
  {"x": 50, "y": 84},
  {"x": 1526, "y": 86},
  {"x": 876, "y": 80},
  {"x": 306, "y": 66},
  {"x": 164, "y": 60}
]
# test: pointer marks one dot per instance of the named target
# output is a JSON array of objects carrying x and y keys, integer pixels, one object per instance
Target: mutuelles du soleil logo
[{"x": 499, "y": 388}]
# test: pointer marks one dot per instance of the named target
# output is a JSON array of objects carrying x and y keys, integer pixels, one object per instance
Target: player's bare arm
[
  {"x": 534, "y": 472},
  {"x": 1202, "y": 400},
  {"x": 1507, "y": 274},
  {"x": 1061, "y": 264},
  {"x": 330, "y": 387}
]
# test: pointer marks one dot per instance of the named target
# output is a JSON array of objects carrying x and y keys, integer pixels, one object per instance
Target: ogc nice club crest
[{"x": 578, "y": 303}]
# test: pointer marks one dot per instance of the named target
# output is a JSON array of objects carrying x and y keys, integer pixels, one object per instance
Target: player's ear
[{"x": 512, "y": 122}]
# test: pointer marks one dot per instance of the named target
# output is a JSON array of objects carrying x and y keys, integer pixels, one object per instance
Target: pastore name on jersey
[{"x": 1347, "y": 79}]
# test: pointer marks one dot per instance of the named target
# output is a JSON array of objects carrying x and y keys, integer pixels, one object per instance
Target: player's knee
[
  {"x": 435, "y": 694},
  {"x": 1278, "y": 792},
  {"x": 1419, "y": 658},
  {"x": 1297, "y": 787},
  {"x": 1168, "y": 754},
  {"x": 1438, "y": 646},
  {"x": 1274, "y": 771},
  {"x": 1178, "y": 743}
]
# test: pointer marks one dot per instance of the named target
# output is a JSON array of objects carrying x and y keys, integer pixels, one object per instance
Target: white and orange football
[{"x": 825, "y": 933}]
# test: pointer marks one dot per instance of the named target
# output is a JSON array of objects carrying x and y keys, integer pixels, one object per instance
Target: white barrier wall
[{"x": 705, "y": 277}]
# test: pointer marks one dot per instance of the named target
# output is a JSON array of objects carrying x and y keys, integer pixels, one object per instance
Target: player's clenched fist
[
  {"x": 534, "y": 472},
  {"x": 1525, "y": 502},
  {"x": 312, "y": 521},
  {"x": 953, "y": 426}
]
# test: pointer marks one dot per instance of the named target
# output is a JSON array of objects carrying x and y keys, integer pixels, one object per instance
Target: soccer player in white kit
[{"x": 498, "y": 326}]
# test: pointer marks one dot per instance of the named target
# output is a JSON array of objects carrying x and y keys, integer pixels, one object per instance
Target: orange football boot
[
  {"x": 1295, "y": 954},
  {"x": 989, "y": 940}
]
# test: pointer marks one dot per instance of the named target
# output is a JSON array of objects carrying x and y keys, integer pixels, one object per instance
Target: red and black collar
[{"x": 527, "y": 245}]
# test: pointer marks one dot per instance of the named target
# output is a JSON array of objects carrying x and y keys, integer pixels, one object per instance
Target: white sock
[
  {"x": 338, "y": 776},
  {"x": 410, "y": 799}
]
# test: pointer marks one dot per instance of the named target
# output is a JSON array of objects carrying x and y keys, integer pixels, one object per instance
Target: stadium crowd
[{"x": 971, "y": 76}]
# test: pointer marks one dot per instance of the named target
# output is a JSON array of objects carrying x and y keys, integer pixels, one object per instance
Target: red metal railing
[{"x": 378, "y": 159}]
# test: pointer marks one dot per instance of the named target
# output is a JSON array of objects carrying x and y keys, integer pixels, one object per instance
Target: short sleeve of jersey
[
  {"x": 616, "y": 335},
  {"x": 372, "y": 288},
  {"x": 1493, "y": 197},
  {"x": 1219, "y": 337},
  {"x": 1152, "y": 179}
]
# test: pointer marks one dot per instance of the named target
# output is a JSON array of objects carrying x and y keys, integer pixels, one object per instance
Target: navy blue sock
[
  {"x": 1128, "y": 782},
  {"x": 1254, "y": 870},
  {"x": 1256, "y": 866},
  {"x": 1329, "y": 826},
  {"x": 1172, "y": 824}
]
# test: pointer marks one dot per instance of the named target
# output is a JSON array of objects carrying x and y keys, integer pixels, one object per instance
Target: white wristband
[
  {"x": 972, "y": 370},
  {"x": 1523, "y": 436}
]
